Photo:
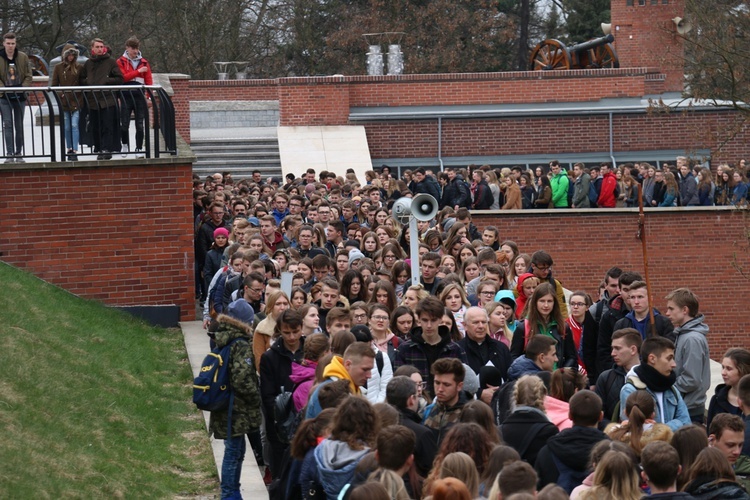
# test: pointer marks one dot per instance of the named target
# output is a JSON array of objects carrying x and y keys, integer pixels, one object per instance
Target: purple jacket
[{"x": 303, "y": 376}]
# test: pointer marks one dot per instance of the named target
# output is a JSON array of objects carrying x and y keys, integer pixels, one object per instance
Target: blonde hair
[
  {"x": 615, "y": 478},
  {"x": 461, "y": 466},
  {"x": 392, "y": 483},
  {"x": 529, "y": 391}
]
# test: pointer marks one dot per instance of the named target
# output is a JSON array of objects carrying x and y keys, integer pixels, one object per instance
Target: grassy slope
[{"x": 93, "y": 403}]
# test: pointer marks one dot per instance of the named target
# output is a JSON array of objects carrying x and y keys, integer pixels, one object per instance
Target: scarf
[{"x": 653, "y": 379}]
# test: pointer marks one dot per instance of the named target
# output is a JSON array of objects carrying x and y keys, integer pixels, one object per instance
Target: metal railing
[{"x": 44, "y": 133}]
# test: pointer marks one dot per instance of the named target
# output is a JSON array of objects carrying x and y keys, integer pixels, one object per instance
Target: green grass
[{"x": 93, "y": 403}]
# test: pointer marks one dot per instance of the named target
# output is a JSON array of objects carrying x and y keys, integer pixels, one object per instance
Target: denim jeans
[
  {"x": 72, "y": 134},
  {"x": 231, "y": 467},
  {"x": 12, "y": 111}
]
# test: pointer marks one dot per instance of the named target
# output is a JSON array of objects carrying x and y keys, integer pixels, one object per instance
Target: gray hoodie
[
  {"x": 336, "y": 462},
  {"x": 693, "y": 370}
]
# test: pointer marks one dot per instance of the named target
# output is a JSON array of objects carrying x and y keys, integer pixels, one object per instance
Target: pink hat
[{"x": 220, "y": 231}]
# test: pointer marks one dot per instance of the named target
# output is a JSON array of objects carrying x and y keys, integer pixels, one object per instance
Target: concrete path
[{"x": 196, "y": 343}]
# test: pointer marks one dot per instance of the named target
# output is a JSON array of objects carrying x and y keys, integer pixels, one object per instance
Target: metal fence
[{"x": 44, "y": 135}]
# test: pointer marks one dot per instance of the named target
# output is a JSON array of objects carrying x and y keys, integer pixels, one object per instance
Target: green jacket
[
  {"x": 560, "y": 183},
  {"x": 742, "y": 471},
  {"x": 22, "y": 65},
  {"x": 243, "y": 378}
]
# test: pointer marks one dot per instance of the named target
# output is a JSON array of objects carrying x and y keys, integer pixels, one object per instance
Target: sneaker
[
  {"x": 139, "y": 153},
  {"x": 125, "y": 150},
  {"x": 10, "y": 159},
  {"x": 73, "y": 156},
  {"x": 19, "y": 159}
]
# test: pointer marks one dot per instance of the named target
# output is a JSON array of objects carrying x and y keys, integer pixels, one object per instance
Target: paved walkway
[{"x": 196, "y": 344}]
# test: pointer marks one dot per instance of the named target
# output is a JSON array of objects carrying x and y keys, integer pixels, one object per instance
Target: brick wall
[
  {"x": 557, "y": 135},
  {"x": 687, "y": 248},
  {"x": 121, "y": 234},
  {"x": 645, "y": 36}
]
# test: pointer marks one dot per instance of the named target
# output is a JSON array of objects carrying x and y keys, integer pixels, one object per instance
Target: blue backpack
[{"x": 211, "y": 388}]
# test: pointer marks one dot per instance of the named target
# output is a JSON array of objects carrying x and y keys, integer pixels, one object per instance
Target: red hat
[{"x": 220, "y": 231}]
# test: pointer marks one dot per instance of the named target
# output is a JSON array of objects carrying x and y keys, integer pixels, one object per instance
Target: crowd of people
[{"x": 483, "y": 377}]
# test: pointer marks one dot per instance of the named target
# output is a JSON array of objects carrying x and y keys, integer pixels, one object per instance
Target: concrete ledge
[{"x": 209, "y": 106}]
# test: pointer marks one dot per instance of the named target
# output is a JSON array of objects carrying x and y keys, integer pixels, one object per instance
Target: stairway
[{"x": 240, "y": 156}]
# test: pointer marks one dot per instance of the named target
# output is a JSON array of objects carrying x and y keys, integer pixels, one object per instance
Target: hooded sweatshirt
[
  {"x": 572, "y": 448},
  {"x": 336, "y": 463},
  {"x": 693, "y": 370},
  {"x": 521, "y": 298}
]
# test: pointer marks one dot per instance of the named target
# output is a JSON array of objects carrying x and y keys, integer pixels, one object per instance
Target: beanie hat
[
  {"x": 355, "y": 254},
  {"x": 220, "y": 231},
  {"x": 242, "y": 311}
]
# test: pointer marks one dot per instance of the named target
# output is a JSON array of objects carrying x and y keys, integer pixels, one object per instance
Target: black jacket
[
  {"x": 608, "y": 387},
  {"x": 275, "y": 370},
  {"x": 572, "y": 447},
  {"x": 588, "y": 346},
  {"x": 426, "y": 444},
  {"x": 527, "y": 428},
  {"x": 482, "y": 196},
  {"x": 456, "y": 192},
  {"x": 616, "y": 311},
  {"x": 428, "y": 186},
  {"x": 720, "y": 404},
  {"x": 490, "y": 350}
]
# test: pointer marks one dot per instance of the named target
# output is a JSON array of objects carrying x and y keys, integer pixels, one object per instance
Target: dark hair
[
  {"x": 480, "y": 413},
  {"x": 565, "y": 382},
  {"x": 316, "y": 345},
  {"x": 656, "y": 346},
  {"x": 398, "y": 391},
  {"x": 290, "y": 318},
  {"x": 346, "y": 286},
  {"x": 517, "y": 477},
  {"x": 585, "y": 408},
  {"x": 711, "y": 463},
  {"x": 446, "y": 366},
  {"x": 661, "y": 463},
  {"x": 395, "y": 444},
  {"x": 539, "y": 344},
  {"x": 627, "y": 278},
  {"x": 340, "y": 341},
  {"x": 725, "y": 421},
  {"x": 688, "y": 440},
  {"x": 638, "y": 407},
  {"x": 308, "y": 432},
  {"x": 743, "y": 390},
  {"x": 500, "y": 456},
  {"x": 613, "y": 272},
  {"x": 330, "y": 395},
  {"x": 631, "y": 336}
]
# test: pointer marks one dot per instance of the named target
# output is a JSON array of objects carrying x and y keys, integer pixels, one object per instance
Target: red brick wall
[
  {"x": 119, "y": 234},
  {"x": 686, "y": 248},
  {"x": 645, "y": 36}
]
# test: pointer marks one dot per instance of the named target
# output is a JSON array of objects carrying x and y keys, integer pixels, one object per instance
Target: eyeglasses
[
  {"x": 380, "y": 318},
  {"x": 360, "y": 316},
  {"x": 577, "y": 304},
  {"x": 489, "y": 294},
  {"x": 390, "y": 257},
  {"x": 541, "y": 268},
  {"x": 257, "y": 290}
]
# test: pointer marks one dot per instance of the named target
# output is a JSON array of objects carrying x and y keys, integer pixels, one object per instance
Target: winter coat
[
  {"x": 23, "y": 70},
  {"x": 490, "y": 351},
  {"x": 675, "y": 411},
  {"x": 662, "y": 326},
  {"x": 101, "y": 70},
  {"x": 440, "y": 418},
  {"x": 378, "y": 380},
  {"x": 412, "y": 352},
  {"x": 582, "y": 186},
  {"x": 428, "y": 186},
  {"x": 336, "y": 463},
  {"x": 607, "y": 197},
  {"x": 707, "y": 488},
  {"x": 522, "y": 366},
  {"x": 544, "y": 197},
  {"x": 129, "y": 68},
  {"x": 608, "y": 387},
  {"x": 616, "y": 310},
  {"x": 587, "y": 349},
  {"x": 525, "y": 420},
  {"x": 560, "y": 184},
  {"x": 513, "y": 199},
  {"x": 651, "y": 432},
  {"x": 720, "y": 404},
  {"x": 262, "y": 337},
  {"x": 212, "y": 262},
  {"x": 693, "y": 369},
  {"x": 303, "y": 376},
  {"x": 275, "y": 370},
  {"x": 66, "y": 75},
  {"x": 456, "y": 192},
  {"x": 572, "y": 448},
  {"x": 482, "y": 196},
  {"x": 242, "y": 377},
  {"x": 689, "y": 191}
]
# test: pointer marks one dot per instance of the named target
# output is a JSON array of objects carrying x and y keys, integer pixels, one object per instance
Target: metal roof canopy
[{"x": 636, "y": 105}]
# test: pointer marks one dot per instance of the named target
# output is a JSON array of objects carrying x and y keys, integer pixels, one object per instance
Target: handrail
[{"x": 44, "y": 134}]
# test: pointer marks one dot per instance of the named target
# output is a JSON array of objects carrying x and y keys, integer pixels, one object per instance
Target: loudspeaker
[
  {"x": 607, "y": 28},
  {"x": 424, "y": 207},
  {"x": 683, "y": 25},
  {"x": 402, "y": 209}
]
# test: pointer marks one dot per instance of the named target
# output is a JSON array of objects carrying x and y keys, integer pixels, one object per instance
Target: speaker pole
[{"x": 414, "y": 248}]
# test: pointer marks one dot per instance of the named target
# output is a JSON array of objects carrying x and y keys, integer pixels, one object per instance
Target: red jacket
[
  {"x": 607, "y": 197},
  {"x": 131, "y": 74}
]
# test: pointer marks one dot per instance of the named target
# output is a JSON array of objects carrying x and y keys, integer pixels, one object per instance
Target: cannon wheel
[
  {"x": 604, "y": 56},
  {"x": 38, "y": 65},
  {"x": 550, "y": 54}
]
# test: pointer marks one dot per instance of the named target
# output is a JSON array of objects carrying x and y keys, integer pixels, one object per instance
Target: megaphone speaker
[
  {"x": 606, "y": 28},
  {"x": 424, "y": 207},
  {"x": 402, "y": 209},
  {"x": 683, "y": 26}
]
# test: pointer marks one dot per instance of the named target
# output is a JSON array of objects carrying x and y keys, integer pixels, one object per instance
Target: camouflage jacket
[
  {"x": 244, "y": 380},
  {"x": 439, "y": 417}
]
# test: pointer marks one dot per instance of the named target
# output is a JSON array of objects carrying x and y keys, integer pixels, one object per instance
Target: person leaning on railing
[{"x": 66, "y": 74}]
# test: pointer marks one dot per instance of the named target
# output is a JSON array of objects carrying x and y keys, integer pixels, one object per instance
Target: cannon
[{"x": 552, "y": 54}]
